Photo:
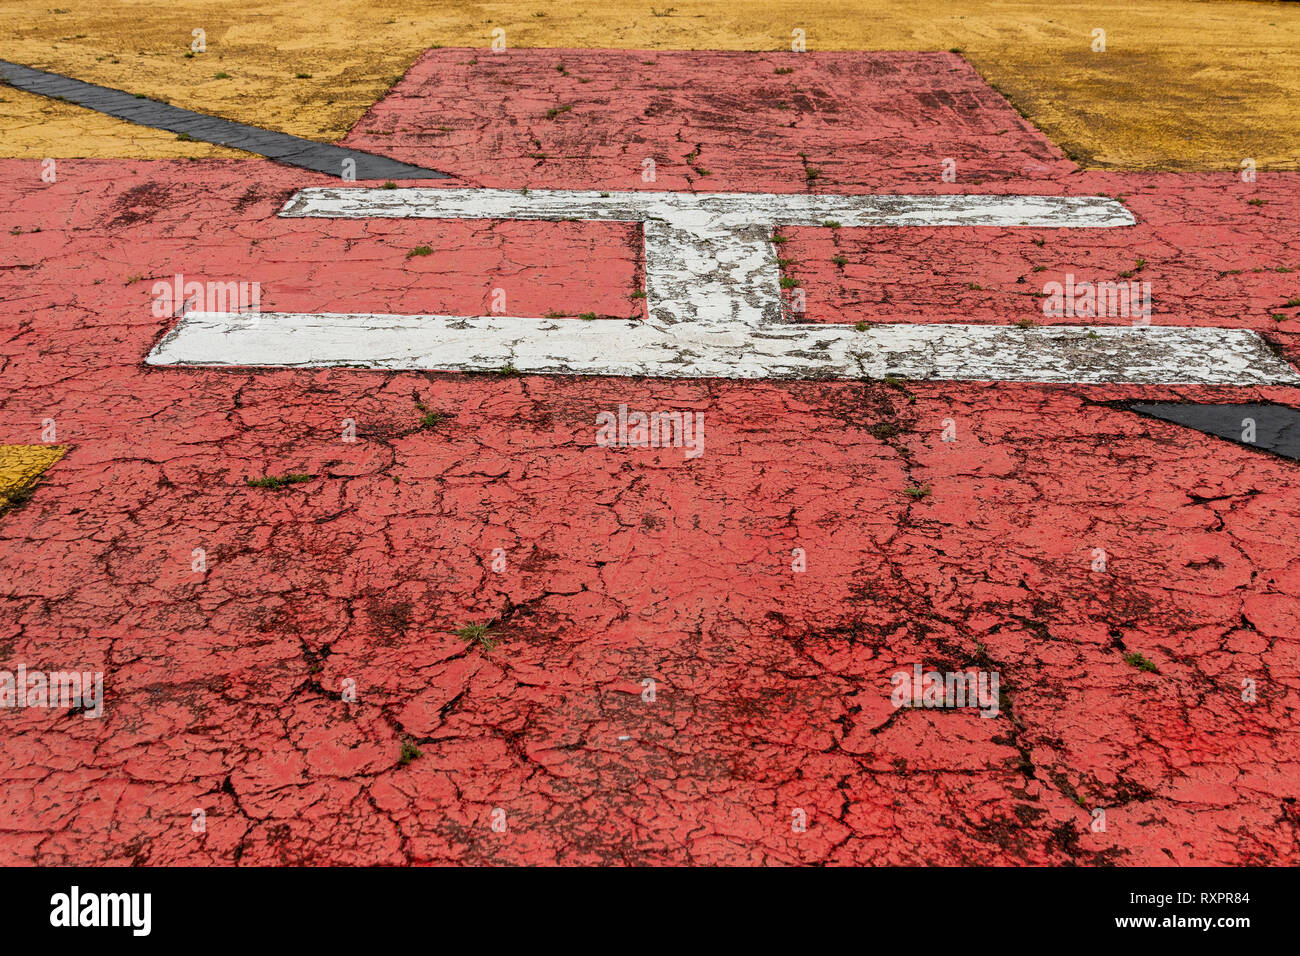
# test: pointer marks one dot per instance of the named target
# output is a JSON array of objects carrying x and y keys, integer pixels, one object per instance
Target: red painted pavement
[{"x": 624, "y": 564}]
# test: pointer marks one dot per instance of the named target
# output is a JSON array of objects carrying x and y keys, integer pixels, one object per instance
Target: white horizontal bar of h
[{"x": 1108, "y": 354}]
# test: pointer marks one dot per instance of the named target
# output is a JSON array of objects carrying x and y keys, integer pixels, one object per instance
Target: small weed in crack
[
  {"x": 1137, "y": 660},
  {"x": 409, "y": 752},
  {"x": 883, "y": 430},
  {"x": 479, "y": 634},
  {"x": 428, "y": 417},
  {"x": 278, "y": 481}
]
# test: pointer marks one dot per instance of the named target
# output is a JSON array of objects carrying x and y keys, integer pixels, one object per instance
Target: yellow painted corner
[{"x": 21, "y": 465}]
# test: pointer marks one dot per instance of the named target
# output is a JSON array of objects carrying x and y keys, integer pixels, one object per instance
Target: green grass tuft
[
  {"x": 1141, "y": 663},
  {"x": 478, "y": 634}
]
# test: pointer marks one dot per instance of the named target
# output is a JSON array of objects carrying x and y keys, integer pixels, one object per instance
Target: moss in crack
[
  {"x": 409, "y": 752},
  {"x": 883, "y": 430},
  {"x": 1142, "y": 663},
  {"x": 278, "y": 481}
]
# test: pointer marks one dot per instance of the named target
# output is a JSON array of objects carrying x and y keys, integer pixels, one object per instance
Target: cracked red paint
[
  {"x": 772, "y": 687},
  {"x": 711, "y": 121}
]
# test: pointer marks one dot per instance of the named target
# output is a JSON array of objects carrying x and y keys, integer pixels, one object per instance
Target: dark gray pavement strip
[
  {"x": 281, "y": 147},
  {"x": 1277, "y": 427}
]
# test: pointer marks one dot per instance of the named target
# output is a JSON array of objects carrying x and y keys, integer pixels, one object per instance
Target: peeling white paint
[
  {"x": 1114, "y": 354},
  {"x": 714, "y": 303},
  {"x": 712, "y": 210}
]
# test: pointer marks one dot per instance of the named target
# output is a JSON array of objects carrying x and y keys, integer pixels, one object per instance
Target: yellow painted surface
[
  {"x": 21, "y": 465},
  {"x": 1182, "y": 84},
  {"x": 35, "y": 127}
]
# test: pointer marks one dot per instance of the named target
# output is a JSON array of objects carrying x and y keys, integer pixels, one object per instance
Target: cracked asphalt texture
[{"x": 772, "y": 687}]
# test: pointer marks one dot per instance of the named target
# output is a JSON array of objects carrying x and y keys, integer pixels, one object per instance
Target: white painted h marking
[{"x": 714, "y": 302}]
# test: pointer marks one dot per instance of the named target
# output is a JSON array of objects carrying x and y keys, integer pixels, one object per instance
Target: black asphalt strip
[{"x": 1274, "y": 428}]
